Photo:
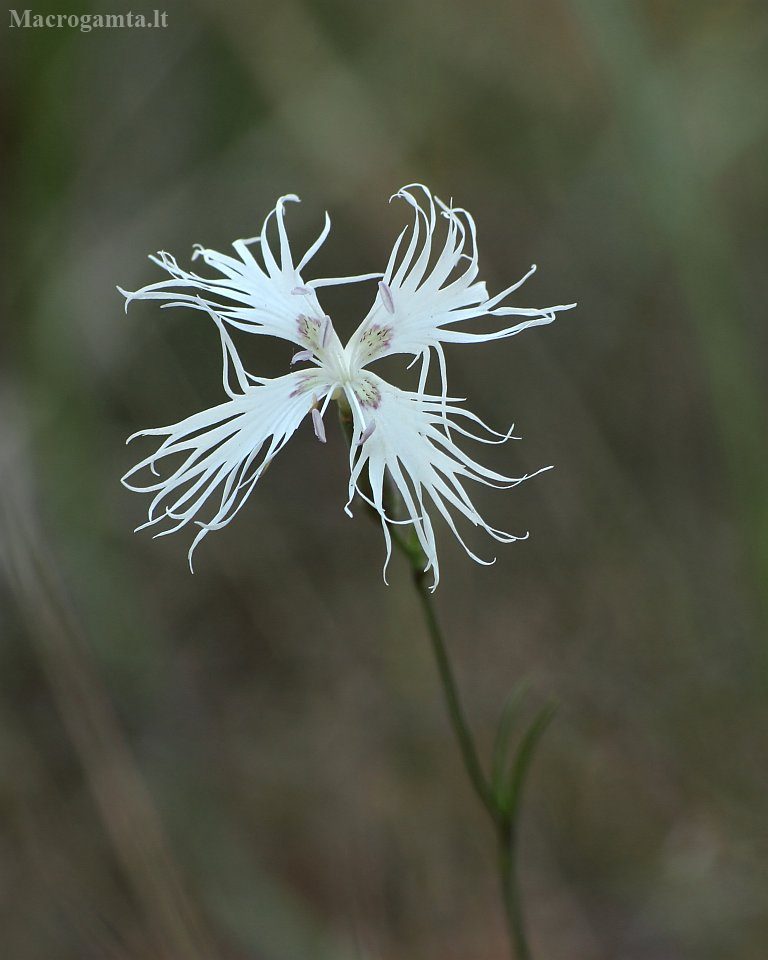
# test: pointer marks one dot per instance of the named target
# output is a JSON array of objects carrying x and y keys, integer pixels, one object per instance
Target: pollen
[
  {"x": 386, "y": 297},
  {"x": 301, "y": 356},
  {"x": 368, "y": 432},
  {"x": 318, "y": 425}
]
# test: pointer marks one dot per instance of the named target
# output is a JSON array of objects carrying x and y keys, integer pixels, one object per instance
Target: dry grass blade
[{"x": 126, "y": 809}]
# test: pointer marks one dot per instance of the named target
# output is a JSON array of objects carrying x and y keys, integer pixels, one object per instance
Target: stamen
[
  {"x": 317, "y": 423},
  {"x": 301, "y": 356},
  {"x": 328, "y": 398},
  {"x": 301, "y": 291},
  {"x": 325, "y": 332},
  {"x": 386, "y": 297},
  {"x": 366, "y": 433}
]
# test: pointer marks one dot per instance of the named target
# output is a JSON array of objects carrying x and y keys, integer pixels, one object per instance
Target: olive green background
[{"x": 254, "y": 762}]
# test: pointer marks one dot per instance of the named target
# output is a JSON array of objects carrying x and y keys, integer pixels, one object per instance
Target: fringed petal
[
  {"x": 210, "y": 462},
  {"x": 267, "y": 296},
  {"x": 403, "y": 439},
  {"x": 432, "y": 286}
]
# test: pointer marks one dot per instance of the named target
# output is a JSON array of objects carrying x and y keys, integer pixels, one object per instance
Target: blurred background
[{"x": 253, "y": 763}]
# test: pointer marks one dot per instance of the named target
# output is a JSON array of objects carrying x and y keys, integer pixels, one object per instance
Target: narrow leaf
[
  {"x": 503, "y": 737},
  {"x": 510, "y": 800}
]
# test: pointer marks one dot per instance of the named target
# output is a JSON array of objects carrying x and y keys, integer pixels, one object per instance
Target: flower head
[{"x": 207, "y": 465}]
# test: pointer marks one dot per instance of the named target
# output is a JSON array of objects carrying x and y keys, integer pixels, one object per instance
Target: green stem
[
  {"x": 510, "y": 891},
  {"x": 510, "y": 887},
  {"x": 451, "y": 694}
]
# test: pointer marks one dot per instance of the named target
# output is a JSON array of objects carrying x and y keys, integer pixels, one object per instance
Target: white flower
[{"x": 400, "y": 439}]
